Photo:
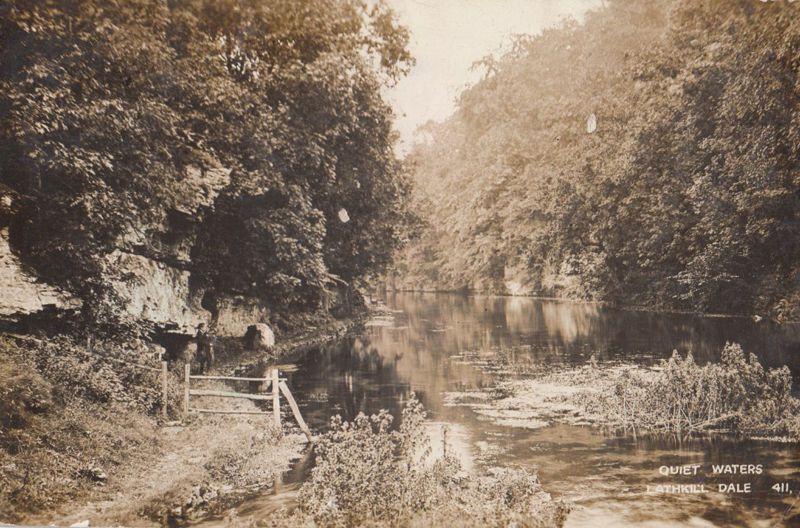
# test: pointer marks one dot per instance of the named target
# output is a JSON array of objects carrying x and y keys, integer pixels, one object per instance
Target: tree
[
  {"x": 686, "y": 194},
  {"x": 217, "y": 136}
]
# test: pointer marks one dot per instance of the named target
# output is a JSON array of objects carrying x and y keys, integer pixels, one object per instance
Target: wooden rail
[
  {"x": 228, "y": 378},
  {"x": 225, "y": 394},
  {"x": 164, "y": 376},
  {"x": 295, "y": 409},
  {"x": 276, "y": 398},
  {"x": 218, "y": 411},
  {"x": 135, "y": 365}
]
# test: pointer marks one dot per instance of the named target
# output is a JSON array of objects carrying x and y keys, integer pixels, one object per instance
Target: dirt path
[{"x": 183, "y": 472}]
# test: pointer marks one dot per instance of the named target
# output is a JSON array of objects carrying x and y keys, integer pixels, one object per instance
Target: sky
[{"x": 448, "y": 36}]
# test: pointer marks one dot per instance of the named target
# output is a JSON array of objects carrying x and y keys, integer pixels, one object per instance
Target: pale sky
[{"x": 448, "y": 36}]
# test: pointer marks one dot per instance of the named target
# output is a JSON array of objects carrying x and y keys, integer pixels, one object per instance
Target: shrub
[
  {"x": 736, "y": 394},
  {"x": 24, "y": 393},
  {"x": 103, "y": 374},
  {"x": 366, "y": 470},
  {"x": 368, "y": 474}
]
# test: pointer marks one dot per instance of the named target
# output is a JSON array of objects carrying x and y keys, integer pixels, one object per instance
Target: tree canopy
[
  {"x": 218, "y": 136},
  {"x": 686, "y": 195}
]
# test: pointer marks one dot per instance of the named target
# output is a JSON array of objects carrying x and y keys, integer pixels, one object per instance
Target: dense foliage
[
  {"x": 218, "y": 136},
  {"x": 368, "y": 474},
  {"x": 64, "y": 418},
  {"x": 737, "y": 394},
  {"x": 687, "y": 193}
]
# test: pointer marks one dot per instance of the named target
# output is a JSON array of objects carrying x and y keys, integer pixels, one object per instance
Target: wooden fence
[{"x": 271, "y": 380}]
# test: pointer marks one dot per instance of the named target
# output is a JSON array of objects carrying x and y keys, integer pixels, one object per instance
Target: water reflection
[
  {"x": 558, "y": 331},
  {"x": 423, "y": 350}
]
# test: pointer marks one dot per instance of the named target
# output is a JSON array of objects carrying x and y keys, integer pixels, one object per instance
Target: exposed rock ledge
[
  {"x": 21, "y": 293},
  {"x": 156, "y": 292}
]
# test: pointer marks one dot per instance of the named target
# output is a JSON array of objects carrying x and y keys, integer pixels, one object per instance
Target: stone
[
  {"x": 591, "y": 123},
  {"x": 155, "y": 292},
  {"x": 21, "y": 293},
  {"x": 260, "y": 335},
  {"x": 81, "y": 524},
  {"x": 234, "y": 315},
  {"x": 95, "y": 474}
]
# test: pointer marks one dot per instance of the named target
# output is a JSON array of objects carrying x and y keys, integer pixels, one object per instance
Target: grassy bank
[
  {"x": 81, "y": 438},
  {"x": 67, "y": 423}
]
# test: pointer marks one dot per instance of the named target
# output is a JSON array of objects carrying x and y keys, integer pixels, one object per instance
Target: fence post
[
  {"x": 296, "y": 411},
  {"x": 164, "y": 390},
  {"x": 187, "y": 371},
  {"x": 276, "y": 398}
]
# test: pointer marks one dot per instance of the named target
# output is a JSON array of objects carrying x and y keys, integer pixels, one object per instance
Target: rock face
[
  {"x": 148, "y": 271},
  {"x": 155, "y": 292},
  {"x": 260, "y": 336},
  {"x": 235, "y": 315},
  {"x": 201, "y": 186},
  {"x": 21, "y": 293}
]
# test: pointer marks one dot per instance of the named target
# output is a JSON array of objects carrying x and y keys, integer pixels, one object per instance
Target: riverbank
[
  {"x": 293, "y": 345},
  {"x": 605, "y": 304},
  {"x": 81, "y": 440},
  {"x": 189, "y": 471}
]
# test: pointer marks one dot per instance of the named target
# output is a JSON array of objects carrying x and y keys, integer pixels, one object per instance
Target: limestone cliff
[
  {"x": 21, "y": 293},
  {"x": 148, "y": 274}
]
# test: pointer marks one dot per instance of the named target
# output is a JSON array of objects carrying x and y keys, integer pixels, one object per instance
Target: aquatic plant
[{"x": 736, "y": 394}]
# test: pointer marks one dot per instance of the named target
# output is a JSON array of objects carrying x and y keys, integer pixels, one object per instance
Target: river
[{"x": 440, "y": 343}]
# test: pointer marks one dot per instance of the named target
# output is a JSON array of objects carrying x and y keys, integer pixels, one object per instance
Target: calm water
[{"x": 422, "y": 348}]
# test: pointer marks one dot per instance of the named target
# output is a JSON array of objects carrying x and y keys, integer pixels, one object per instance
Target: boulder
[{"x": 260, "y": 336}]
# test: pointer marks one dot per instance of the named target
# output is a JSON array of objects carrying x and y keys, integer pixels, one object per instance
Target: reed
[{"x": 736, "y": 394}]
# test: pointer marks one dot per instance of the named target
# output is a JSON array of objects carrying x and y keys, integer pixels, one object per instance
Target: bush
[
  {"x": 370, "y": 475},
  {"x": 24, "y": 393},
  {"x": 103, "y": 374},
  {"x": 736, "y": 394}
]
